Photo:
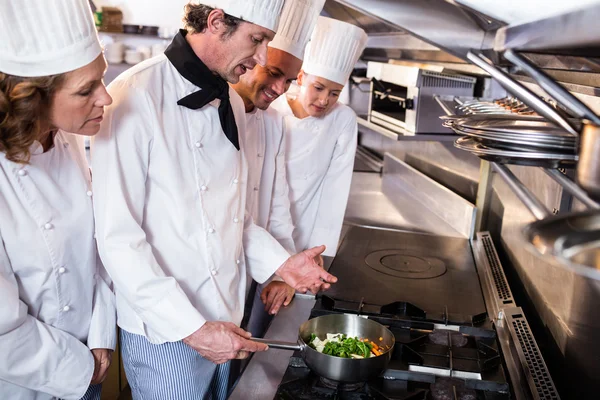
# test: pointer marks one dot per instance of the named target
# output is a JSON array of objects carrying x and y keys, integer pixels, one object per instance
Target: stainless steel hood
[
  {"x": 558, "y": 35},
  {"x": 427, "y": 30}
]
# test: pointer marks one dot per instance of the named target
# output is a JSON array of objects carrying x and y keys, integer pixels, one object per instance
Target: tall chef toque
[
  {"x": 46, "y": 37},
  {"x": 334, "y": 49},
  {"x": 260, "y": 12},
  {"x": 298, "y": 20}
]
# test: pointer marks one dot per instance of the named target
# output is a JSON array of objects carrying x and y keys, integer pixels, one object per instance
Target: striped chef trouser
[
  {"x": 171, "y": 371},
  {"x": 93, "y": 392}
]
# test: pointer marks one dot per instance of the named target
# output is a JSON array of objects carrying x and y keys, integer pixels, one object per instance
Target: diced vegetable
[{"x": 340, "y": 345}]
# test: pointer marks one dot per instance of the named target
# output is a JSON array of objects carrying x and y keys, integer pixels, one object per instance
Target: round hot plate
[{"x": 402, "y": 265}]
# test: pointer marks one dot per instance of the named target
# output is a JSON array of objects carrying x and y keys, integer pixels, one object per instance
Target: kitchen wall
[
  {"x": 561, "y": 306},
  {"x": 148, "y": 12}
]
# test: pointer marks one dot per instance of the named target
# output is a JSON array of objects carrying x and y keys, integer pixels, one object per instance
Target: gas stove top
[
  {"x": 300, "y": 384},
  {"x": 412, "y": 276},
  {"x": 426, "y": 364},
  {"x": 426, "y": 290}
]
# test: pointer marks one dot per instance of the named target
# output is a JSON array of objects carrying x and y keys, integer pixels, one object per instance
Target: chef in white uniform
[
  {"x": 321, "y": 135},
  {"x": 57, "y": 311},
  {"x": 263, "y": 143},
  {"x": 170, "y": 187}
]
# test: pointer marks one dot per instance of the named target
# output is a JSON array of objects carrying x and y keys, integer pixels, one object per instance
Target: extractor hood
[{"x": 555, "y": 35}]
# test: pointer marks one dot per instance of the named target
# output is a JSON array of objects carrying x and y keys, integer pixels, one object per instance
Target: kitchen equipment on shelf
[
  {"x": 588, "y": 169},
  {"x": 132, "y": 29},
  {"x": 337, "y": 369},
  {"x": 402, "y": 97},
  {"x": 112, "y": 20},
  {"x": 497, "y": 132},
  {"x": 145, "y": 51},
  {"x": 132, "y": 56},
  {"x": 516, "y": 154},
  {"x": 114, "y": 52}
]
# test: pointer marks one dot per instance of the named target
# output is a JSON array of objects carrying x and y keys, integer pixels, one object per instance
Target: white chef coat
[
  {"x": 320, "y": 158},
  {"x": 267, "y": 201},
  {"x": 170, "y": 204},
  {"x": 55, "y": 298}
]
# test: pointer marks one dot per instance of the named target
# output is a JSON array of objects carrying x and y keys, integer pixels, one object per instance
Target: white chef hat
[
  {"x": 46, "y": 37},
  {"x": 298, "y": 19},
  {"x": 260, "y": 12},
  {"x": 334, "y": 49}
]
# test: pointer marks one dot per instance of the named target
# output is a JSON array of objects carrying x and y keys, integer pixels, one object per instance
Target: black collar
[{"x": 212, "y": 86}]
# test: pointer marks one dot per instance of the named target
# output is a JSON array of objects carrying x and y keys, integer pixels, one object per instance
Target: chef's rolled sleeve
[
  {"x": 120, "y": 160},
  {"x": 35, "y": 355}
]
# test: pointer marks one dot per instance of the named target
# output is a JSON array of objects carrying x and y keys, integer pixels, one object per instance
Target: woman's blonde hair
[{"x": 24, "y": 112}]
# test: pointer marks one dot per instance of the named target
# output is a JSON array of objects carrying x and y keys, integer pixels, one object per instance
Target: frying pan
[{"x": 337, "y": 368}]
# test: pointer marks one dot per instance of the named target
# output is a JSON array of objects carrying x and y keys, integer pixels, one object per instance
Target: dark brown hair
[
  {"x": 196, "y": 16},
  {"x": 24, "y": 112}
]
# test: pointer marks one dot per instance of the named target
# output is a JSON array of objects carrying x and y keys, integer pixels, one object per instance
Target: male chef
[
  {"x": 170, "y": 186},
  {"x": 263, "y": 144}
]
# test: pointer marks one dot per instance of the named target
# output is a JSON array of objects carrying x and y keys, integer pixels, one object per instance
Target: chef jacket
[
  {"x": 267, "y": 198},
  {"x": 56, "y": 303},
  {"x": 320, "y": 158},
  {"x": 170, "y": 207}
]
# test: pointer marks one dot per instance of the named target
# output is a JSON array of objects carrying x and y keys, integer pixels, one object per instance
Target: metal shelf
[
  {"x": 573, "y": 33},
  {"x": 368, "y": 127}
]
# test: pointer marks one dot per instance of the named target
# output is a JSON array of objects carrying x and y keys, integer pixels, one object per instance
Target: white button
[
  {"x": 237, "y": 261},
  {"x": 48, "y": 226},
  {"x": 66, "y": 308},
  {"x": 236, "y": 220},
  {"x": 61, "y": 270},
  {"x": 22, "y": 172},
  {"x": 198, "y": 145},
  {"x": 211, "y": 230},
  {"x": 236, "y": 181},
  {"x": 255, "y": 188},
  {"x": 94, "y": 236},
  {"x": 213, "y": 271},
  {"x": 258, "y": 155},
  {"x": 203, "y": 188},
  {"x": 89, "y": 193}
]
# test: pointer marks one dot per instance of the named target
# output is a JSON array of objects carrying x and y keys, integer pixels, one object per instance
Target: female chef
[
  {"x": 57, "y": 315},
  {"x": 321, "y": 135}
]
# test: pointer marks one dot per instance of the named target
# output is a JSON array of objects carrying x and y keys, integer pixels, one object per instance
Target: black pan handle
[{"x": 278, "y": 344}]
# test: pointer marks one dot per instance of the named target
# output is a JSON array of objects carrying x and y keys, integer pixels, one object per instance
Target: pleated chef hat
[
  {"x": 260, "y": 12},
  {"x": 334, "y": 49},
  {"x": 298, "y": 20},
  {"x": 46, "y": 37}
]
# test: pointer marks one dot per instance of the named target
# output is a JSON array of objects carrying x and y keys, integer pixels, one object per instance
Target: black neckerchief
[{"x": 212, "y": 86}]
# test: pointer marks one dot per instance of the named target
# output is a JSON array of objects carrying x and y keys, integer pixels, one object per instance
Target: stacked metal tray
[{"x": 510, "y": 135}]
